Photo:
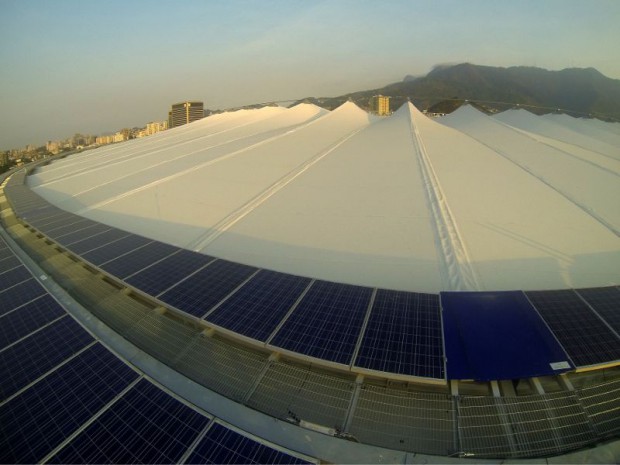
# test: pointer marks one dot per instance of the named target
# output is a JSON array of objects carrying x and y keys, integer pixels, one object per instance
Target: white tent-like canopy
[{"x": 465, "y": 202}]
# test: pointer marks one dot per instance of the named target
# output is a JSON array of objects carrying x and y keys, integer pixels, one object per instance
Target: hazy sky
[{"x": 94, "y": 66}]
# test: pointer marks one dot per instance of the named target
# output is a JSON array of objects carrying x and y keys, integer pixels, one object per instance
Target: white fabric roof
[{"x": 468, "y": 201}]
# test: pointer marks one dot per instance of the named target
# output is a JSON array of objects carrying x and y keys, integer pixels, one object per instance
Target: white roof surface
[{"x": 465, "y": 202}]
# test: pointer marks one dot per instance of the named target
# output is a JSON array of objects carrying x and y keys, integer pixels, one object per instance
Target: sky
[{"x": 87, "y": 66}]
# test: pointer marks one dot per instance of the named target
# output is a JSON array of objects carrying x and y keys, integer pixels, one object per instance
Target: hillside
[{"x": 576, "y": 91}]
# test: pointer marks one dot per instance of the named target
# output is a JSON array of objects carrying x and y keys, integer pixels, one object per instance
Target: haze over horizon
[{"x": 73, "y": 66}]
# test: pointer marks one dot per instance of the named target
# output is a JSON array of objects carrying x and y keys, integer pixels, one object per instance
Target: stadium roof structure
[{"x": 439, "y": 286}]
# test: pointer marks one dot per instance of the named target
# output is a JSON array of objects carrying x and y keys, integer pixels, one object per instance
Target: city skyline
[{"x": 77, "y": 67}]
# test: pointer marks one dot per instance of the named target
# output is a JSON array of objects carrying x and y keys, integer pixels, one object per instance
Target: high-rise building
[
  {"x": 380, "y": 105},
  {"x": 185, "y": 112}
]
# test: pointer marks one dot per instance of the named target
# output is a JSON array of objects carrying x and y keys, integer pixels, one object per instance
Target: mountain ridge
[{"x": 576, "y": 91}]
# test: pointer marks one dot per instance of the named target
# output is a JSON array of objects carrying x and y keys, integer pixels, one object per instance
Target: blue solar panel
[
  {"x": 115, "y": 249},
  {"x": 19, "y": 294},
  {"x": 606, "y": 302},
  {"x": 25, "y": 361},
  {"x": 8, "y": 263},
  {"x": 137, "y": 260},
  {"x": 223, "y": 445},
  {"x": 256, "y": 309},
  {"x": 198, "y": 294},
  {"x": 326, "y": 323},
  {"x": 31, "y": 316},
  {"x": 34, "y": 423},
  {"x": 146, "y": 425},
  {"x": 69, "y": 225},
  {"x": 497, "y": 335},
  {"x": 81, "y": 234},
  {"x": 5, "y": 252},
  {"x": 97, "y": 240},
  {"x": 53, "y": 220},
  {"x": 166, "y": 273},
  {"x": 46, "y": 211},
  {"x": 403, "y": 335},
  {"x": 585, "y": 337},
  {"x": 14, "y": 276}
]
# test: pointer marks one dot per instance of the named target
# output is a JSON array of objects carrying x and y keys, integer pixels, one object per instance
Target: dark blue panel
[
  {"x": 115, "y": 249},
  {"x": 25, "y": 361},
  {"x": 606, "y": 302},
  {"x": 19, "y": 294},
  {"x": 95, "y": 241},
  {"x": 14, "y": 276},
  {"x": 68, "y": 225},
  {"x": 81, "y": 234},
  {"x": 137, "y": 260},
  {"x": 31, "y": 316},
  {"x": 53, "y": 221},
  {"x": 5, "y": 252},
  {"x": 198, "y": 294},
  {"x": 327, "y": 322},
  {"x": 39, "y": 419},
  {"x": 256, "y": 309},
  {"x": 497, "y": 335},
  {"x": 403, "y": 335},
  {"x": 223, "y": 445},
  {"x": 146, "y": 425},
  {"x": 9, "y": 263},
  {"x": 585, "y": 337},
  {"x": 43, "y": 212},
  {"x": 164, "y": 274}
]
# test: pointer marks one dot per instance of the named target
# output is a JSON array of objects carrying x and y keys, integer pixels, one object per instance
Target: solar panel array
[
  {"x": 367, "y": 329},
  {"x": 65, "y": 398}
]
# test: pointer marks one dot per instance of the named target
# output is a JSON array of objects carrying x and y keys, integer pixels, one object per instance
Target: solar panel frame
[
  {"x": 89, "y": 231},
  {"x": 14, "y": 276},
  {"x": 403, "y": 335},
  {"x": 145, "y": 425},
  {"x": 224, "y": 445},
  {"x": 326, "y": 323},
  {"x": 259, "y": 305},
  {"x": 29, "y": 317},
  {"x": 585, "y": 337},
  {"x": 19, "y": 294},
  {"x": 97, "y": 240},
  {"x": 115, "y": 249},
  {"x": 33, "y": 356},
  {"x": 169, "y": 271},
  {"x": 36, "y": 421},
  {"x": 138, "y": 259},
  {"x": 207, "y": 287},
  {"x": 606, "y": 303}
]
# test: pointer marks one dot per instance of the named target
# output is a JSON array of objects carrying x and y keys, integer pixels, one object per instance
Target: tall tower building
[
  {"x": 185, "y": 112},
  {"x": 380, "y": 105}
]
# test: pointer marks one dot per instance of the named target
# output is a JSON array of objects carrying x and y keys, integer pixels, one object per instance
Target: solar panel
[
  {"x": 223, "y": 445},
  {"x": 497, "y": 335},
  {"x": 585, "y": 337},
  {"x": 256, "y": 308},
  {"x": 19, "y": 294},
  {"x": 25, "y": 361},
  {"x": 81, "y": 234},
  {"x": 35, "y": 422},
  {"x": 137, "y": 260},
  {"x": 69, "y": 225},
  {"x": 5, "y": 252},
  {"x": 606, "y": 302},
  {"x": 41, "y": 213},
  {"x": 29, "y": 317},
  {"x": 9, "y": 263},
  {"x": 403, "y": 335},
  {"x": 55, "y": 219},
  {"x": 115, "y": 249},
  {"x": 97, "y": 240},
  {"x": 326, "y": 323},
  {"x": 13, "y": 276},
  {"x": 169, "y": 271},
  {"x": 146, "y": 425},
  {"x": 198, "y": 294}
]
